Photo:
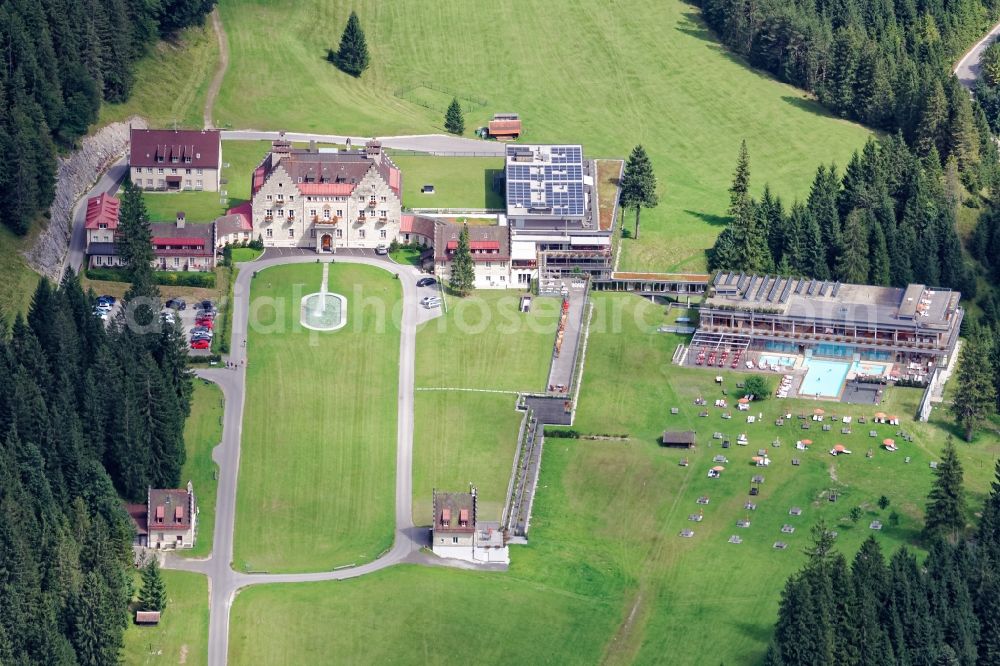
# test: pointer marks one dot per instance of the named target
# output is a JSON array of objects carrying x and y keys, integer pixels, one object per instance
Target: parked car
[
  {"x": 206, "y": 305},
  {"x": 168, "y": 317},
  {"x": 102, "y": 307},
  {"x": 204, "y": 322},
  {"x": 106, "y": 300},
  {"x": 203, "y": 338},
  {"x": 426, "y": 282},
  {"x": 201, "y": 343},
  {"x": 176, "y": 304},
  {"x": 381, "y": 249},
  {"x": 430, "y": 302}
]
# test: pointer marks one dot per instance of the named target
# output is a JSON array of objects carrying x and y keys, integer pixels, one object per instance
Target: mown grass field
[
  {"x": 202, "y": 433},
  {"x": 317, "y": 463},
  {"x": 459, "y": 182},
  {"x": 200, "y": 207},
  {"x": 181, "y": 637},
  {"x": 606, "y": 576},
  {"x": 602, "y": 74},
  {"x": 171, "y": 82},
  {"x": 484, "y": 342},
  {"x": 459, "y": 438}
]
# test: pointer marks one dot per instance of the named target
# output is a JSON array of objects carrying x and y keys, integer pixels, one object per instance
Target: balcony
[{"x": 371, "y": 204}]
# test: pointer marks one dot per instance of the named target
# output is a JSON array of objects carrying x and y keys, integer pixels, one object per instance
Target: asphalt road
[
  {"x": 224, "y": 582},
  {"x": 426, "y": 143},
  {"x": 109, "y": 183},
  {"x": 967, "y": 69}
]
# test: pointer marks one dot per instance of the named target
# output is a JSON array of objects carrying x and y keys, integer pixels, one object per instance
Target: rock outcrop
[{"x": 76, "y": 173}]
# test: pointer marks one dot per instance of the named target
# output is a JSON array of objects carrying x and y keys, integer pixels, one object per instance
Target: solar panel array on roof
[
  {"x": 836, "y": 289},
  {"x": 812, "y": 287},
  {"x": 784, "y": 292},
  {"x": 762, "y": 288},
  {"x": 774, "y": 290},
  {"x": 799, "y": 286},
  {"x": 546, "y": 180}
]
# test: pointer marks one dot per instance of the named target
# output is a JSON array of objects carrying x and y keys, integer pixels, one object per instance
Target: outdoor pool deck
[{"x": 812, "y": 377}]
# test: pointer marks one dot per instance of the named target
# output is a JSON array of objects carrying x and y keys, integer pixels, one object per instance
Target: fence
[{"x": 445, "y": 153}]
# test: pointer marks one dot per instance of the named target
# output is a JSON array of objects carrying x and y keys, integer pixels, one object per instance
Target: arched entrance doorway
[{"x": 326, "y": 243}]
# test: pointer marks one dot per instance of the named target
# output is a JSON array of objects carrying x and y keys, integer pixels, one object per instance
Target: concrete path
[
  {"x": 109, "y": 183},
  {"x": 224, "y": 582},
  {"x": 434, "y": 144},
  {"x": 967, "y": 69},
  {"x": 220, "y": 72}
]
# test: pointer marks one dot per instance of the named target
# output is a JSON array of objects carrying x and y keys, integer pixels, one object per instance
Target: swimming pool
[
  {"x": 825, "y": 378},
  {"x": 770, "y": 359},
  {"x": 865, "y": 368}
]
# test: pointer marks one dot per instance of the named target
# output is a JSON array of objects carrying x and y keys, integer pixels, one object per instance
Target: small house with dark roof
[
  {"x": 177, "y": 245},
  {"x": 101, "y": 226},
  {"x": 175, "y": 160},
  {"x": 235, "y": 226},
  {"x": 489, "y": 246},
  {"x": 457, "y": 533},
  {"x": 167, "y": 520},
  {"x": 683, "y": 439}
]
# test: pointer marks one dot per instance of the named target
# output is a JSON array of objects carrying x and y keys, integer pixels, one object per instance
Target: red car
[
  {"x": 200, "y": 344},
  {"x": 203, "y": 321}
]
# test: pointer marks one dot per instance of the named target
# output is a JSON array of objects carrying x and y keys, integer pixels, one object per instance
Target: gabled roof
[
  {"x": 454, "y": 512},
  {"x": 487, "y": 243},
  {"x": 236, "y": 219},
  {"x": 102, "y": 209},
  {"x": 169, "y": 509},
  {"x": 417, "y": 224},
  {"x": 159, "y": 147}
]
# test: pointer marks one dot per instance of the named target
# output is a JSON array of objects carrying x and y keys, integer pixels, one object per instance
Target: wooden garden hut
[{"x": 684, "y": 438}]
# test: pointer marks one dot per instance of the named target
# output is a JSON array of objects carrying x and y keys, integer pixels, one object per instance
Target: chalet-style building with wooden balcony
[{"x": 326, "y": 198}]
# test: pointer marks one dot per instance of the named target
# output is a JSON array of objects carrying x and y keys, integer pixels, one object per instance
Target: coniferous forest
[
  {"x": 898, "y": 610},
  {"x": 88, "y": 414},
  {"x": 61, "y": 59}
]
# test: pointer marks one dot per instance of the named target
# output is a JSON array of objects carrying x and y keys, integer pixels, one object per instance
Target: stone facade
[{"x": 324, "y": 201}]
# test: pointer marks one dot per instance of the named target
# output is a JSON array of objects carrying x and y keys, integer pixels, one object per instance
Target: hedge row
[{"x": 165, "y": 278}]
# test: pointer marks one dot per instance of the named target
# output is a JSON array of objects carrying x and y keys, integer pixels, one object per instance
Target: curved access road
[
  {"x": 224, "y": 582},
  {"x": 108, "y": 182},
  {"x": 967, "y": 69}
]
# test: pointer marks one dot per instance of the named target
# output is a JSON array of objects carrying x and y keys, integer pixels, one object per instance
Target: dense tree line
[
  {"x": 899, "y": 611},
  {"x": 885, "y": 63},
  {"x": 888, "y": 220},
  {"x": 61, "y": 59},
  {"x": 88, "y": 414}
]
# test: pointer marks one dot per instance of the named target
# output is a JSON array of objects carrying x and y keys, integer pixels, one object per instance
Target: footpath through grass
[
  {"x": 317, "y": 464},
  {"x": 651, "y": 74},
  {"x": 202, "y": 433},
  {"x": 181, "y": 637}
]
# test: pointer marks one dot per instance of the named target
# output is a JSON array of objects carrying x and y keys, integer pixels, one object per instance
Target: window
[
  {"x": 173, "y": 171},
  {"x": 200, "y": 185},
  {"x": 361, "y": 233},
  {"x": 312, "y": 212},
  {"x": 269, "y": 212},
  {"x": 291, "y": 233},
  {"x": 102, "y": 225},
  {"x": 159, "y": 159},
  {"x": 383, "y": 214},
  {"x": 269, "y": 197},
  {"x": 99, "y": 261},
  {"x": 361, "y": 214},
  {"x": 489, "y": 264},
  {"x": 340, "y": 212},
  {"x": 187, "y": 160},
  {"x": 269, "y": 232},
  {"x": 326, "y": 213},
  {"x": 312, "y": 233},
  {"x": 503, "y": 278},
  {"x": 201, "y": 172},
  {"x": 160, "y": 171},
  {"x": 187, "y": 172},
  {"x": 138, "y": 170},
  {"x": 339, "y": 233},
  {"x": 177, "y": 261},
  {"x": 149, "y": 169},
  {"x": 381, "y": 233},
  {"x": 454, "y": 539},
  {"x": 173, "y": 160},
  {"x": 291, "y": 197},
  {"x": 383, "y": 199}
]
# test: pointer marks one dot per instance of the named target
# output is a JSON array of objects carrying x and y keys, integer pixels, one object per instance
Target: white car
[{"x": 381, "y": 249}]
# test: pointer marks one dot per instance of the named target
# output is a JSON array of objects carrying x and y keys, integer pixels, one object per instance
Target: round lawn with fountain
[{"x": 317, "y": 465}]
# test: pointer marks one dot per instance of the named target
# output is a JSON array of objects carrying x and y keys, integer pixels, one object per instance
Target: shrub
[
  {"x": 166, "y": 278},
  {"x": 758, "y": 386},
  {"x": 208, "y": 358}
]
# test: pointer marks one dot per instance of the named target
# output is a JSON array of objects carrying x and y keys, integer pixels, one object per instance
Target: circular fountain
[{"x": 324, "y": 310}]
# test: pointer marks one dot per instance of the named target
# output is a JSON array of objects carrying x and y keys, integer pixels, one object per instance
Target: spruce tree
[
  {"x": 879, "y": 270},
  {"x": 945, "y": 515},
  {"x": 822, "y": 205},
  {"x": 638, "y": 186},
  {"x": 975, "y": 396},
  {"x": 739, "y": 191},
  {"x": 852, "y": 263},
  {"x": 352, "y": 56},
  {"x": 454, "y": 121},
  {"x": 153, "y": 594},
  {"x": 463, "y": 273}
]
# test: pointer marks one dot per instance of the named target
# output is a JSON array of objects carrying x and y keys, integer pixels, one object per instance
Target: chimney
[
  {"x": 280, "y": 147},
  {"x": 373, "y": 150},
  {"x": 180, "y": 219}
]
